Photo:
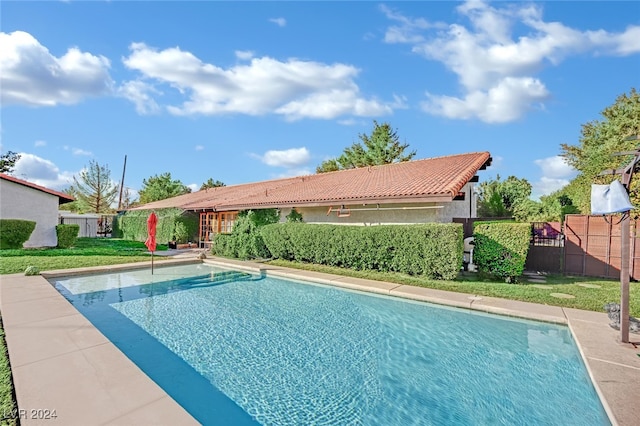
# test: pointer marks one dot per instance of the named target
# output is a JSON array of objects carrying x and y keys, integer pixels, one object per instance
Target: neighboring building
[
  {"x": 429, "y": 190},
  {"x": 24, "y": 200}
]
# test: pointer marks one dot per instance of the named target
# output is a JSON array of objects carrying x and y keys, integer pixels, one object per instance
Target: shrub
[
  {"x": 67, "y": 234},
  {"x": 433, "y": 250},
  {"x": 501, "y": 248},
  {"x": 15, "y": 232},
  {"x": 245, "y": 241},
  {"x": 32, "y": 270},
  {"x": 294, "y": 216},
  {"x": 181, "y": 233}
]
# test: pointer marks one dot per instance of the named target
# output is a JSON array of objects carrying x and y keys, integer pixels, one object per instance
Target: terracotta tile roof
[
  {"x": 62, "y": 197},
  {"x": 429, "y": 180}
]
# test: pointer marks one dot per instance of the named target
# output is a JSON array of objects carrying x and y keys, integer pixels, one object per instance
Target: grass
[
  {"x": 591, "y": 299},
  {"x": 8, "y": 405},
  {"x": 87, "y": 252}
]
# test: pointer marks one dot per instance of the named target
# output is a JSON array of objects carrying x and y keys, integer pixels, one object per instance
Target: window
[
  {"x": 226, "y": 222},
  {"x": 212, "y": 223}
]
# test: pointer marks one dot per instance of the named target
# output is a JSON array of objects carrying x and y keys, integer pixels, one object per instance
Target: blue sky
[{"x": 249, "y": 91}]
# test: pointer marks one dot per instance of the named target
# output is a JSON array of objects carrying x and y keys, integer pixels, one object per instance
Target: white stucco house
[
  {"x": 24, "y": 200},
  {"x": 419, "y": 191}
]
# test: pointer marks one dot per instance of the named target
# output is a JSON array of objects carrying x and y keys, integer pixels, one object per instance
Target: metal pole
[
  {"x": 624, "y": 278},
  {"x": 122, "y": 183}
]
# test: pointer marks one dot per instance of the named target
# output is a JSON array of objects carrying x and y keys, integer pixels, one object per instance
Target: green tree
[
  {"x": 8, "y": 161},
  {"x": 161, "y": 187},
  {"x": 94, "y": 190},
  {"x": 498, "y": 198},
  {"x": 599, "y": 140},
  {"x": 382, "y": 147},
  {"x": 211, "y": 184}
]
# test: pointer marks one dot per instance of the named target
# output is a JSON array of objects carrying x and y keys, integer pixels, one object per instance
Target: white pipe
[{"x": 395, "y": 208}]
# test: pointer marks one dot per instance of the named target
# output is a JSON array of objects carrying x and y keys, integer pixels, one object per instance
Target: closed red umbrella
[{"x": 152, "y": 221}]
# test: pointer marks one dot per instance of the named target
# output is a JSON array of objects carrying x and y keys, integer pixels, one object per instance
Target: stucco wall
[
  {"x": 404, "y": 213},
  {"x": 21, "y": 202}
]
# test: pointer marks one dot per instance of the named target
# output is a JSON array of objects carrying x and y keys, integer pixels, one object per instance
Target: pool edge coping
[{"x": 460, "y": 300}]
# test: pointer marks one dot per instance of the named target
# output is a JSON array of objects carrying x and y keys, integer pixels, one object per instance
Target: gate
[{"x": 546, "y": 248}]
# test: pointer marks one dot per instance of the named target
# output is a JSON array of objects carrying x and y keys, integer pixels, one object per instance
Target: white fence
[{"x": 91, "y": 225}]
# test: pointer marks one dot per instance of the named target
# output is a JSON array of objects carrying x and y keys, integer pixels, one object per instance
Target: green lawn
[{"x": 87, "y": 252}]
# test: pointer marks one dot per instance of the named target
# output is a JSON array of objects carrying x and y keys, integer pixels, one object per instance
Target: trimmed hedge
[
  {"x": 67, "y": 234},
  {"x": 245, "y": 241},
  {"x": 15, "y": 232},
  {"x": 433, "y": 250},
  {"x": 132, "y": 225},
  {"x": 501, "y": 248}
]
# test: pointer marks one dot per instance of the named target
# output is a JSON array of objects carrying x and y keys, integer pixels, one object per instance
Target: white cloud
[
  {"x": 31, "y": 75},
  {"x": 556, "y": 167},
  {"x": 290, "y": 158},
  {"x": 199, "y": 147},
  {"x": 294, "y": 88},
  {"x": 495, "y": 65},
  {"x": 546, "y": 186},
  {"x": 194, "y": 187},
  {"x": 281, "y": 22},
  {"x": 40, "y": 143},
  {"x": 77, "y": 151},
  {"x": 141, "y": 94},
  {"x": 244, "y": 55},
  {"x": 408, "y": 30},
  {"x": 556, "y": 173},
  {"x": 295, "y": 172},
  {"x": 507, "y": 101},
  {"x": 41, "y": 172}
]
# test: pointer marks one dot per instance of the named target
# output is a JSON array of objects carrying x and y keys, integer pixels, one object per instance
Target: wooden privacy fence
[{"x": 592, "y": 246}]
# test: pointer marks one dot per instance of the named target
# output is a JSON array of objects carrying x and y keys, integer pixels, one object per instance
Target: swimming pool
[{"x": 240, "y": 348}]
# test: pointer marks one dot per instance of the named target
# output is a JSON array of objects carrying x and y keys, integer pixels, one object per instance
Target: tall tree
[
  {"x": 8, "y": 161},
  {"x": 94, "y": 191},
  {"x": 598, "y": 141},
  {"x": 382, "y": 147},
  {"x": 498, "y": 198},
  {"x": 211, "y": 184},
  {"x": 160, "y": 187}
]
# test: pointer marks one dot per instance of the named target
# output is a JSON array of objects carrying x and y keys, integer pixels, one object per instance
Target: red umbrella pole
[{"x": 152, "y": 221}]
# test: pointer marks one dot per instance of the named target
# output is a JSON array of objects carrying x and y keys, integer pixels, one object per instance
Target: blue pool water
[{"x": 238, "y": 348}]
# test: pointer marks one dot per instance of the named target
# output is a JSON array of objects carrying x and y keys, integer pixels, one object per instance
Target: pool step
[{"x": 215, "y": 278}]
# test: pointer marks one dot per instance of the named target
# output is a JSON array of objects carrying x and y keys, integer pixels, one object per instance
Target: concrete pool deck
[{"x": 61, "y": 362}]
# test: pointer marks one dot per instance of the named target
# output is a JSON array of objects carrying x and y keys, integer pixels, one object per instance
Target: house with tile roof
[
  {"x": 419, "y": 191},
  {"x": 24, "y": 200}
]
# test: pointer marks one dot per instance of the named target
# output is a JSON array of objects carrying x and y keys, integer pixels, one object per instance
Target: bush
[
  {"x": 433, "y": 250},
  {"x": 501, "y": 248},
  {"x": 245, "y": 241},
  {"x": 294, "y": 216},
  {"x": 67, "y": 235},
  {"x": 32, "y": 270},
  {"x": 181, "y": 233},
  {"x": 15, "y": 232}
]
